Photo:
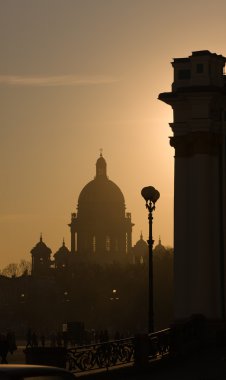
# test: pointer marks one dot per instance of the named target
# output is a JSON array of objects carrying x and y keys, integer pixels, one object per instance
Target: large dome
[
  {"x": 101, "y": 229},
  {"x": 101, "y": 191}
]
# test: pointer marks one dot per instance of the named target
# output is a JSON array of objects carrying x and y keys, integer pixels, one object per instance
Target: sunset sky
[{"x": 80, "y": 75}]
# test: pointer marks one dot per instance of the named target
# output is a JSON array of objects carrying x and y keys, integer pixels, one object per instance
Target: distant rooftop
[{"x": 199, "y": 53}]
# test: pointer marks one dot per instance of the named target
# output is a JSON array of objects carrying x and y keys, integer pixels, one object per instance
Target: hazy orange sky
[{"x": 80, "y": 75}]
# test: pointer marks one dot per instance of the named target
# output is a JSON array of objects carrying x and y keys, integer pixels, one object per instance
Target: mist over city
[{"x": 113, "y": 188}]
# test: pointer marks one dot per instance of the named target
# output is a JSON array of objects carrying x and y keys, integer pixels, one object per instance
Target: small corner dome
[
  {"x": 141, "y": 246},
  {"x": 62, "y": 251},
  {"x": 41, "y": 248},
  {"x": 159, "y": 248}
]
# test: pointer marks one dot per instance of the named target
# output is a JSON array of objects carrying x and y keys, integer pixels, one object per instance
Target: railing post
[{"x": 141, "y": 351}]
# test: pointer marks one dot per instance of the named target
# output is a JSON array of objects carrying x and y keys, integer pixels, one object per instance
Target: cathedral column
[{"x": 73, "y": 232}]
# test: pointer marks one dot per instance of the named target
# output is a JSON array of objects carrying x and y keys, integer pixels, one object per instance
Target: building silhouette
[
  {"x": 198, "y": 99},
  {"x": 102, "y": 281},
  {"x": 41, "y": 260},
  {"x": 62, "y": 257},
  {"x": 140, "y": 251},
  {"x": 159, "y": 249},
  {"x": 101, "y": 230}
]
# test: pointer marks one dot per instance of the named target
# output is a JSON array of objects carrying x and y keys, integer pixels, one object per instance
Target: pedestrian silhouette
[{"x": 4, "y": 348}]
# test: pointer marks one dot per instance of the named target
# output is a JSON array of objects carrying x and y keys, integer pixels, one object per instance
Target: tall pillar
[
  {"x": 129, "y": 226},
  {"x": 198, "y": 99},
  {"x": 72, "y": 226}
]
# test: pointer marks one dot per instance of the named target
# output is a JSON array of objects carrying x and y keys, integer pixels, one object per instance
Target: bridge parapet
[
  {"x": 100, "y": 355},
  {"x": 138, "y": 351}
]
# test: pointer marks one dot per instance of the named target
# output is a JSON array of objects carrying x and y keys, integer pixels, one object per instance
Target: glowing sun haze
[{"x": 77, "y": 76}]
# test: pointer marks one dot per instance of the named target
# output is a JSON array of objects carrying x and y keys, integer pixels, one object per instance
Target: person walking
[{"x": 4, "y": 348}]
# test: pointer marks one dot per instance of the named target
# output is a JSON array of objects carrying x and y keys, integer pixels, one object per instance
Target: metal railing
[
  {"x": 159, "y": 344},
  {"x": 100, "y": 355},
  {"x": 120, "y": 352}
]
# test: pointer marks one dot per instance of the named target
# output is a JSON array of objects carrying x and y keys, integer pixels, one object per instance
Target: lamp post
[{"x": 151, "y": 195}]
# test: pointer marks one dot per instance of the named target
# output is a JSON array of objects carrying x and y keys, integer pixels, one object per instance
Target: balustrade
[{"x": 117, "y": 353}]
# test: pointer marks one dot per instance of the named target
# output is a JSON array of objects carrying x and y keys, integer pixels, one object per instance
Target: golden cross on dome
[{"x": 101, "y": 151}]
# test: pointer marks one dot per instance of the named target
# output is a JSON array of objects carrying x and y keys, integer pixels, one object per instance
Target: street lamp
[{"x": 151, "y": 195}]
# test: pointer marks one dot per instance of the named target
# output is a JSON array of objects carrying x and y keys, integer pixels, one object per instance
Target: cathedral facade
[
  {"x": 101, "y": 280},
  {"x": 101, "y": 229}
]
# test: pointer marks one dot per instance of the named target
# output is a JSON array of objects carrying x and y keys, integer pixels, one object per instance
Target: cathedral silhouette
[
  {"x": 101, "y": 229},
  {"x": 101, "y": 281}
]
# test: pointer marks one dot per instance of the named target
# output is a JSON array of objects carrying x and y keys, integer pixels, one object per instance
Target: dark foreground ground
[
  {"x": 205, "y": 365},
  {"x": 208, "y": 364}
]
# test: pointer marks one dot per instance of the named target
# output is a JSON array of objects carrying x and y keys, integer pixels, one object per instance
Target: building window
[
  {"x": 94, "y": 243},
  {"x": 108, "y": 243},
  {"x": 76, "y": 242},
  {"x": 184, "y": 74},
  {"x": 126, "y": 242},
  {"x": 199, "y": 68}
]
